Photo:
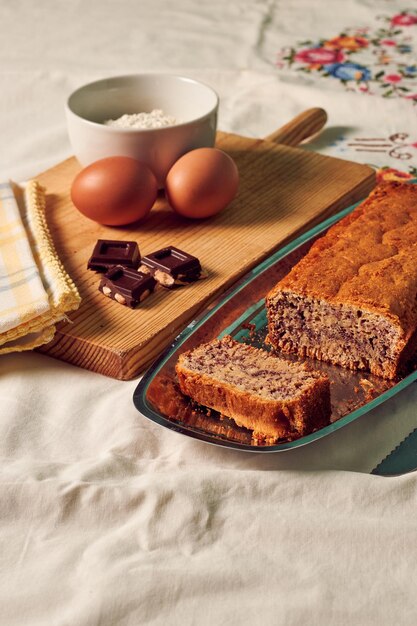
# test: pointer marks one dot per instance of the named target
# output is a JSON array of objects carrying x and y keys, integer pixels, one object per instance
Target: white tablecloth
[{"x": 106, "y": 518}]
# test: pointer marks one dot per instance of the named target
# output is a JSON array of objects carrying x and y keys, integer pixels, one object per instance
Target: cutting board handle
[{"x": 301, "y": 127}]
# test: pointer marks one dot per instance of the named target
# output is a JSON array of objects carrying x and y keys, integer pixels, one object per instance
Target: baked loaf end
[
  {"x": 261, "y": 392},
  {"x": 352, "y": 299}
]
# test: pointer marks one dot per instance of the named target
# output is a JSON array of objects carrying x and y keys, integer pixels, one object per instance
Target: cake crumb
[
  {"x": 251, "y": 328},
  {"x": 368, "y": 388}
]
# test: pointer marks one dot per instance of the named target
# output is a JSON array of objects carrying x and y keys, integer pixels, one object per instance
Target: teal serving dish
[{"x": 240, "y": 312}]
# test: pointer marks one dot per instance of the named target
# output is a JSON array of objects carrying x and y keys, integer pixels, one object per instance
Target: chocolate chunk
[
  {"x": 171, "y": 267},
  {"x": 126, "y": 286},
  {"x": 108, "y": 252}
]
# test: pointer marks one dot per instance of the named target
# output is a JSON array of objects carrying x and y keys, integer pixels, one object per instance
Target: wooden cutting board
[{"x": 283, "y": 191}]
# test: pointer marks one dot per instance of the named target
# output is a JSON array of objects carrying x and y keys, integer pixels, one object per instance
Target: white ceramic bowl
[{"x": 192, "y": 103}]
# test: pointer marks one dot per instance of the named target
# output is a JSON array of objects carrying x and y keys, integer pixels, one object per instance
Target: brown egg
[
  {"x": 115, "y": 191},
  {"x": 202, "y": 183}
]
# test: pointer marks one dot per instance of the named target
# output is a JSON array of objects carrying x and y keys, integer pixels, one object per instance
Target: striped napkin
[{"x": 35, "y": 290}]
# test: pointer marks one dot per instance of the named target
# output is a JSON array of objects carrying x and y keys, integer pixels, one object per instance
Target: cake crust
[
  {"x": 365, "y": 263},
  {"x": 268, "y": 418}
]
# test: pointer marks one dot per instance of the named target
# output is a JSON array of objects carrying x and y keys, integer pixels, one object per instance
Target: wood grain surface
[{"x": 283, "y": 191}]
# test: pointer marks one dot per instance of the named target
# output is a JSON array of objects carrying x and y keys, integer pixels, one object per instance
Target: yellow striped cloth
[{"x": 35, "y": 290}]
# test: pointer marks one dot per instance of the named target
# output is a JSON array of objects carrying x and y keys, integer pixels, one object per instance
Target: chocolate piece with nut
[
  {"x": 126, "y": 286},
  {"x": 172, "y": 267},
  {"x": 109, "y": 252}
]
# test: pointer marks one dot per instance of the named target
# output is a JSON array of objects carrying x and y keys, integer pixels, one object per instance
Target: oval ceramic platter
[{"x": 240, "y": 312}]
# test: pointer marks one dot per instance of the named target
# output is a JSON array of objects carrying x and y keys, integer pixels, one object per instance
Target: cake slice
[
  {"x": 352, "y": 299},
  {"x": 274, "y": 398}
]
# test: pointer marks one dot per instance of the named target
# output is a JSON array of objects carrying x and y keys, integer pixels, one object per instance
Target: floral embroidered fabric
[{"x": 374, "y": 60}]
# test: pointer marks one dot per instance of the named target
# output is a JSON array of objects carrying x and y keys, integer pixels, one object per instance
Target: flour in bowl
[{"x": 154, "y": 119}]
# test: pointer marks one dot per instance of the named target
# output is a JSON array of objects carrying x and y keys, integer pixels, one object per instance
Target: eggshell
[
  {"x": 115, "y": 191},
  {"x": 202, "y": 183}
]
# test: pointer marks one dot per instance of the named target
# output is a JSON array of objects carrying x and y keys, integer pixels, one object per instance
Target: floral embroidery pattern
[
  {"x": 391, "y": 174},
  {"x": 397, "y": 146},
  {"x": 379, "y": 60}
]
